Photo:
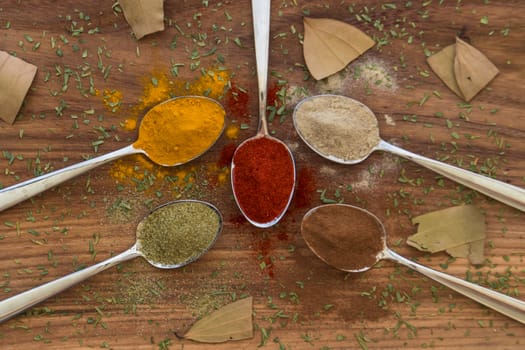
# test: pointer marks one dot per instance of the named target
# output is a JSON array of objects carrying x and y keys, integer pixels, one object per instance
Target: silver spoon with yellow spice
[
  {"x": 171, "y": 133},
  {"x": 353, "y": 239},
  {"x": 171, "y": 236},
  {"x": 346, "y": 131}
]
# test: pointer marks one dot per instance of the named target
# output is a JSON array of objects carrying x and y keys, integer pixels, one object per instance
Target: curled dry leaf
[
  {"x": 330, "y": 45},
  {"x": 16, "y": 77},
  {"x": 144, "y": 16},
  {"x": 230, "y": 322},
  {"x": 458, "y": 230},
  {"x": 463, "y": 68}
]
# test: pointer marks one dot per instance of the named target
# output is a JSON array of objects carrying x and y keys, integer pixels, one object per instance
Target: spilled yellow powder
[
  {"x": 144, "y": 174},
  {"x": 223, "y": 176},
  {"x": 136, "y": 168},
  {"x": 129, "y": 124},
  {"x": 212, "y": 83},
  {"x": 232, "y": 132},
  {"x": 157, "y": 87},
  {"x": 218, "y": 176},
  {"x": 112, "y": 100}
]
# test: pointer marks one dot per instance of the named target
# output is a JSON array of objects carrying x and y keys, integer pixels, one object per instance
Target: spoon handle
[
  {"x": 261, "y": 32},
  {"x": 20, "y": 302},
  {"x": 509, "y": 194},
  {"x": 502, "y": 303},
  {"x": 15, "y": 194}
]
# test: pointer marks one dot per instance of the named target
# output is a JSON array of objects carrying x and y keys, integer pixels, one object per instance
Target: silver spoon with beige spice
[
  {"x": 346, "y": 131},
  {"x": 171, "y": 236},
  {"x": 353, "y": 239}
]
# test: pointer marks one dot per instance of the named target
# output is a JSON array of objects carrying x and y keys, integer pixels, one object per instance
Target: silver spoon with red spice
[
  {"x": 263, "y": 168},
  {"x": 353, "y": 239}
]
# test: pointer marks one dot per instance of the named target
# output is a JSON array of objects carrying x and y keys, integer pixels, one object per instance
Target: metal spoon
[
  {"x": 337, "y": 248},
  {"x": 503, "y": 192},
  {"x": 12, "y": 195},
  {"x": 18, "y": 303},
  {"x": 261, "y": 27}
]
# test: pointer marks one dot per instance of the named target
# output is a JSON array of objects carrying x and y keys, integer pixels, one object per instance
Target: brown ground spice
[{"x": 344, "y": 236}]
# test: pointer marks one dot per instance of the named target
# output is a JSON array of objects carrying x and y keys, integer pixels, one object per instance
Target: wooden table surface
[{"x": 85, "y": 48}]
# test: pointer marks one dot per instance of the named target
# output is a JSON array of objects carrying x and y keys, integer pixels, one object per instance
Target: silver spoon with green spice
[
  {"x": 171, "y": 236},
  {"x": 346, "y": 131}
]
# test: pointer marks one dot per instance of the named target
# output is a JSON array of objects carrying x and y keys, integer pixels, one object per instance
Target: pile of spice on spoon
[
  {"x": 336, "y": 126},
  {"x": 181, "y": 129},
  {"x": 342, "y": 236},
  {"x": 263, "y": 178},
  {"x": 175, "y": 234}
]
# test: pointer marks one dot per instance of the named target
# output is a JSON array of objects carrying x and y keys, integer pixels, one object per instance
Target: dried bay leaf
[
  {"x": 463, "y": 68},
  {"x": 473, "y": 70},
  {"x": 16, "y": 77},
  {"x": 230, "y": 322},
  {"x": 442, "y": 63},
  {"x": 458, "y": 230},
  {"x": 330, "y": 45},
  {"x": 473, "y": 251},
  {"x": 144, "y": 16}
]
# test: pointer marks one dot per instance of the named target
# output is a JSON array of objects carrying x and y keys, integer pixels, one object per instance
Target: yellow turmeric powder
[
  {"x": 211, "y": 83},
  {"x": 112, "y": 99},
  {"x": 180, "y": 129}
]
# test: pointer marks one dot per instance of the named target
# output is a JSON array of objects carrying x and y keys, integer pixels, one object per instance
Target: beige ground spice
[{"x": 337, "y": 127}]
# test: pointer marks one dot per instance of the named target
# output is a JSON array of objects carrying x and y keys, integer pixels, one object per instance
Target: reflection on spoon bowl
[
  {"x": 353, "y": 239},
  {"x": 346, "y": 131}
]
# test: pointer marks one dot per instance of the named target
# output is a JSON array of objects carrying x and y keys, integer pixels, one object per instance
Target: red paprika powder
[{"x": 263, "y": 178}]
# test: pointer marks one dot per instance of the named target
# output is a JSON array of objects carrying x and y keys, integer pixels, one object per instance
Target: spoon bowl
[
  {"x": 15, "y": 194},
  {"x": 352, "y": 239},
  {"x": 244, "y": 172},
  {"x": 346, "y": 131},
  {"x": 172, "y": 222},
  {"x": 265, "y": 204}
]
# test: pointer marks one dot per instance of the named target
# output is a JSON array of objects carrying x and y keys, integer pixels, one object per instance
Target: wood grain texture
[{"x": 298, "y": 300}]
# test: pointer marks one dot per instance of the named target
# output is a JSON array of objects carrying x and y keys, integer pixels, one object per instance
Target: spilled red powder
[
  {"x": 306, "y": 187},
  {"x": 264, "y": 247},
  {"x": 272, "y": 98},
  {"x": 236, "y": 102},
  {"x": 263, "y": 178},
  {"x": 283, "y": 236},
  {"x": 226, "y": 155}
]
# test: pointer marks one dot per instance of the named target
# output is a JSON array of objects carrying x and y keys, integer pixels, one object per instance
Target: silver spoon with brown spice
[
  {"x": 353, "y": 239},
  {"x": 346, "y": 131},
  {"x": 171, "y": 236}
]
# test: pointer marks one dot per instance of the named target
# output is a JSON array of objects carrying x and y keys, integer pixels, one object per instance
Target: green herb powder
[{"x": 177, "y": 233}]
